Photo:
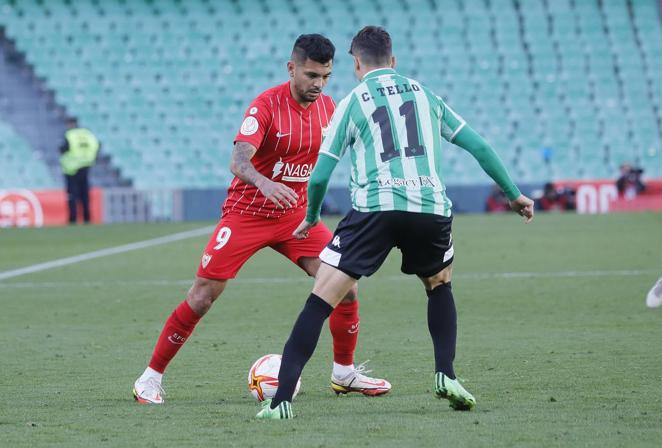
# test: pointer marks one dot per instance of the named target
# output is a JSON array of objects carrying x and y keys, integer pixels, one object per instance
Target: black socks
[
  {"x": 300, "y": 346},
  {"x": 442, "y": 323}
]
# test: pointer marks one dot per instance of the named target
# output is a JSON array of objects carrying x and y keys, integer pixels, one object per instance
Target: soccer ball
[{"x": 263, "y": 378}]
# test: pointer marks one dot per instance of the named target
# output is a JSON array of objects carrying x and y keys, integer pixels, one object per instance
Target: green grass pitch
[{"x": 554, "y": 341}]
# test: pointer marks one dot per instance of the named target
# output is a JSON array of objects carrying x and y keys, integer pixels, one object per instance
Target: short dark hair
[
  {"x": 372, "y": 45},
  {"x": 314, "y": 47}
]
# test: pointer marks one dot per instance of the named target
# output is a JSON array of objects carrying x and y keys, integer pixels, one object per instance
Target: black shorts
[{"x": 362, "y": 242}]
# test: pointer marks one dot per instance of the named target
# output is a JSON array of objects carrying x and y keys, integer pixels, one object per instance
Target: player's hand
[
  {"x": 301, "y": 232},
  {"x": 280, "y": 194},
  {"x": 524, "y": 207}
]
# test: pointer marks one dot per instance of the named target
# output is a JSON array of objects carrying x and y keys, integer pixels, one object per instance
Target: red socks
[
  {"x": 176, "y": 331},
  {"x": 344, "y": 326}
]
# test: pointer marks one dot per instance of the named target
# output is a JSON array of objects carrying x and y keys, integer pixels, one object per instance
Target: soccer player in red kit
[{"x": 273, "y": 156}]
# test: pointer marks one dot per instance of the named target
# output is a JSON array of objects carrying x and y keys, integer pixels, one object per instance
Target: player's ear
[
  {"x": 290, "y": 68},
  {"x": 393, "y": 61},
  {"x": 357, "y": 69}
]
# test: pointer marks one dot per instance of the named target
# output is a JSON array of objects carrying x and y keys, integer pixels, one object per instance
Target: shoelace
[
  {"x": 156, "y": 385},
  {"x": 361, "y": 370}
]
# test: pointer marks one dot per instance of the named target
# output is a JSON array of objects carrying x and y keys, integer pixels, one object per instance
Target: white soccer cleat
[
  {"x": 148, "y": 391},
  {"x": 356, "y": 381},
  {"x": 654, "y": 297}
]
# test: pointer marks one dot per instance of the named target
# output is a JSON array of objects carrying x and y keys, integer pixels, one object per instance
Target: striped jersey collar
[{"x": 378, "y": 72}]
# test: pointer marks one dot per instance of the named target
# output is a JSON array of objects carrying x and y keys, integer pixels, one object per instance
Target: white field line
[
  {"x": 304, "y": 279},
  {"x": 105, "y": 252}
]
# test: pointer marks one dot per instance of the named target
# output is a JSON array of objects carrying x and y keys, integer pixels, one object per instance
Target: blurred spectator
[
  {"x": 570, "y": 198},
  {"x": 78, "y": 154},
  {"x": 497, "y": 201},
  {"x": 629, "y": 184},
  {"x": 556, "y": 198}
]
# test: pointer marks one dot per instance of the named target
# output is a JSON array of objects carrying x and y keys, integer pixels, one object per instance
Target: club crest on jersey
[
  {"x": 206, "y": 258},
  {"x": 292, "y": 172},
  {"x": 249, "y": 126}
]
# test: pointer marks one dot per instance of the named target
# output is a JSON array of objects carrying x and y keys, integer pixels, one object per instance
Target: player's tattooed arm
[{"x": 242, "y": 167}]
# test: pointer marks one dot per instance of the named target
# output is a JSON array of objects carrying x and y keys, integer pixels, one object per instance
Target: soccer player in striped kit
[
  {"x": 393, "y": 127},
  {"x": 274, "y": 154}
]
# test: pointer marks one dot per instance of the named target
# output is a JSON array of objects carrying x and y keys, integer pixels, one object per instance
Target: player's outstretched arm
[
  {"x": 333, "y": 146},
  {"x": 489, "y": 160},
  {"x": 317, "y": 185},
  {"x": 242, "y": 167}
]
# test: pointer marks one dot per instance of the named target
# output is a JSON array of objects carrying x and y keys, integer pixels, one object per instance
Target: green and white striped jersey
[{"x": 393, "y": 126}]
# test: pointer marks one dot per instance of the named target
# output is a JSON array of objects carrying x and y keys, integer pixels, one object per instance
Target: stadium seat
[
  {"x": 172, "y": 94},
  {"x": 20, "y": 167}
]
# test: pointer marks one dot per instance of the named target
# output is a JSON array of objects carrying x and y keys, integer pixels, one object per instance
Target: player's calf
[{"x": 176, "y": 331}]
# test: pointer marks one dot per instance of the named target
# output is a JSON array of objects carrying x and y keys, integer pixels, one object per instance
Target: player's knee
[
  {"x": 203, "y": 293},
  {"x": 351, "y": 295},
  {"x": 440, "y": 278},
  {"x": 199, "y": 302}
]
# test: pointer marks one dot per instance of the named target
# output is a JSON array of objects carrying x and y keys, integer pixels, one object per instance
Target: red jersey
[{"x": 288, "y": 139}]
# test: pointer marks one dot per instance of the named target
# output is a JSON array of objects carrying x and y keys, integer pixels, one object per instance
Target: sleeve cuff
[
  {"x": 312, "y": 217},
  {"x": 457, "y": 131},
  {"x": 512, "y": 193},
  {"x": 333, "y": 156}
]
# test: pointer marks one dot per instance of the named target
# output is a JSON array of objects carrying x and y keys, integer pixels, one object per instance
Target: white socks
[
  {"x": 341, "y": 371},
  {"x": 150, "y": 373}
]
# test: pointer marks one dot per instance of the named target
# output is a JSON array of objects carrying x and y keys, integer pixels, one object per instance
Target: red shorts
[{"x": 237, "y": 237}]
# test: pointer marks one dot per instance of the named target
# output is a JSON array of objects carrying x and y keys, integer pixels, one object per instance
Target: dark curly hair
[{"x": 314, "y": 47}]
